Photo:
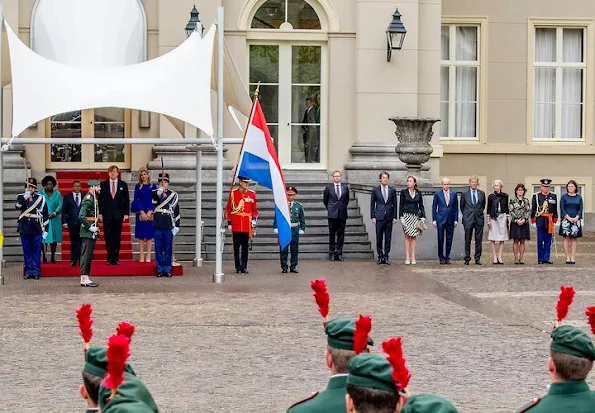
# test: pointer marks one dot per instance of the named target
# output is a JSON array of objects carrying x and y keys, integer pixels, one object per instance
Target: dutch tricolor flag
[{"x": 259, "y": 162}]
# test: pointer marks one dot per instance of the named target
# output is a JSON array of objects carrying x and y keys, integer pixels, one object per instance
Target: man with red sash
[
  {"x": 242, "y": 213},
  {"x": 544, "y": 214}
]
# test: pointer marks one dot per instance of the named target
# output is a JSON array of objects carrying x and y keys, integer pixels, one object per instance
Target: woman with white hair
[{"x": 498, "y": 222}]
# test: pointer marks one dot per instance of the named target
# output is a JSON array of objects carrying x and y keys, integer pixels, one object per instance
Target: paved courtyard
[{"x": 475, "y": 334}]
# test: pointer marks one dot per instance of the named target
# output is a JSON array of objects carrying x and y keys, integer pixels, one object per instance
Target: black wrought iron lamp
[
  {"x": 395, "y": 35},
  {"x": 194, "y": 24}
]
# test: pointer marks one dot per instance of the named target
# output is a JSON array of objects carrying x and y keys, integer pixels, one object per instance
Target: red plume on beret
[
  {"x": 564, "y": 301},
  {"x": 591, "y": 318},
  {"x": 394, "y": 349},
  {"x": 125, "y": 329},
  {"x": 118, "y": 351},
  {"x": 363, "y": 325},
  {"x": 83, "y": 315},
  {"x": 321, "y": 296}
]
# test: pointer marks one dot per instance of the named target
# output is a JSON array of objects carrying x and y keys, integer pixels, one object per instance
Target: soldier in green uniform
[
  {"x": 132, "y": 397},
  {"x": 571, "y": 359},
  {"x": 339, "y": 351},
  {"x": 89, "y": 232},
  {"x": 298, "y": 227},
  {"x": 428, "y": 403}
]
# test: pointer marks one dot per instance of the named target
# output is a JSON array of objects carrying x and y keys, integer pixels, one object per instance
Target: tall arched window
[
  {"x": 290, "y": 66},
  {"x": 86, "y": 34}
]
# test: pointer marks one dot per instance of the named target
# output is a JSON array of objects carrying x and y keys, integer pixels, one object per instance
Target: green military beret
[
  {"x": 93, "y": 182},
  {"x": 340, "y": 334},
  {"x": 428, "y": 403},
  {"x": 371, "y": 371},
  {"x": 132, "y": 397},
  {"x": 96, "y": 362},
  {"x": 574, "y": 341}
]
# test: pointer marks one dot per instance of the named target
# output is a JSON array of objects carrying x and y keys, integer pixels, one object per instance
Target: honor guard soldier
[
  {"x": 298, "y": 227},
  {"x": 341, "y": 348},
  {"x": 242, "y": 213},
  {"x": 88, "y": 217},
  {"x": 544, "y": 214},
  {"x": 31, "y": 226},
  {"x": 166, "y": 224}
]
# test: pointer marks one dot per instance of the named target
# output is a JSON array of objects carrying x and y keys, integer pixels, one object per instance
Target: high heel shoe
[{"x": 44, "y": 260}]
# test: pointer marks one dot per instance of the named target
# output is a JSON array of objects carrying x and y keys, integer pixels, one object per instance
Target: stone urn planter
[{"x": 414, "y": 135}]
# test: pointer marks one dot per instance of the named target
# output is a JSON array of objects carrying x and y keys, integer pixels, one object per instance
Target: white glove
[
  {"x": 160, "y": 191},
  {"x": 301, "y": 232},
  {"x": 276, "y": 230},
  {"x": 93, "y": 228},
  {"x": 175, "y": 230},
  {"x": 229, "y": 227},
  {"x": 534, "y": 226},
  {"x": 44, "y": 235},
  {"x": 27, "y": 194},
  {"x": 253, "y": 223}
]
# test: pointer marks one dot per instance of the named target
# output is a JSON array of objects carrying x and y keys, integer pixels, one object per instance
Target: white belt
[
  {"x": 163, "y": 211},
  {"x": 295, "y": 224}
]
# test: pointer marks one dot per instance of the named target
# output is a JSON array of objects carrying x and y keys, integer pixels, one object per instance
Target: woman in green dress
[{"x": 53, "y": 199}]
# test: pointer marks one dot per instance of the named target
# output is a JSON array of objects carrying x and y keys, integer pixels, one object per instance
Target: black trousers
[
  {"x": 336, "y": 228},
  {"x": 478, "y": 229},
  {"x": 75, "y": 242},
  {"x": 240, "y": 243},
  {"x": 113, "y": 236},
  {"x": 384, "y": 230},
  {"x": 294, "y": 245}
]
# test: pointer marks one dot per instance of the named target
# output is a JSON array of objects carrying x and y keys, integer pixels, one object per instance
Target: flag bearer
[
  {"x": 166, "y": 224},
  {"x": 31, "y": 226},
  {"x": 298, "y": 227},
  {"x": 89, "y": 231},
  {"x": 242, "y": 213}
]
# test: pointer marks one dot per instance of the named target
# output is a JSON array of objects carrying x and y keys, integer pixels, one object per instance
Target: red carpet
[{"x": 99, "y": 267}]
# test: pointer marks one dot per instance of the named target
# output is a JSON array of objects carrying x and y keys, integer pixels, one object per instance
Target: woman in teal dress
[{"x": 53, "y": 199}]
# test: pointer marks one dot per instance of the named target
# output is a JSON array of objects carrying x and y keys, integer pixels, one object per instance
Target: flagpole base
[
  {"x": 218, "y": 278},
  {"x": 197, "y": 262}
]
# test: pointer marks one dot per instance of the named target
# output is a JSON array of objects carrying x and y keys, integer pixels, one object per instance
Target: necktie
[
  {"x": 384, "y": 194},
  {"x": 113, "y": 189},
  {"x": 338, "y": 191},
  {"x": 474, "y": 197},
  {"x": 76, "y": 196},
  {"x": 447, "y": 197}
]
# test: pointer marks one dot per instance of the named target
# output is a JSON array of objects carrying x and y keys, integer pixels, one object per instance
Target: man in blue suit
[
  {"x": 70, "y": 219},
  {"x": 383, "y": 211},
  {"x": 445, "y": 217}
]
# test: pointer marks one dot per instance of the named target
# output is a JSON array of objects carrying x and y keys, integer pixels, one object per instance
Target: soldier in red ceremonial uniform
[{"x": 241, "y": 215}]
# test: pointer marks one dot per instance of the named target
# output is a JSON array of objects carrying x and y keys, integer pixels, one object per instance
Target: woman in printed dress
[
  {"x": 520, "y": 213},
  {"x": 413, "y": 216},
  {"x": 571, "y": 212}
]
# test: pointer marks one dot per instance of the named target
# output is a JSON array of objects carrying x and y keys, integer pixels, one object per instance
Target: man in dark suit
[
  {"x": 336, "y": 200},
  {"x": 473, "y": 203},
  {"x": 70, "y": 219},
  {"x": 115, "y": 208},
  {"x": 445, "y": 217},
  {"x": 383, "y": 211}
]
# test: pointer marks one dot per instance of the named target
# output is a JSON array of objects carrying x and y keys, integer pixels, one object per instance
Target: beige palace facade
[{"x": 512, "y": 83}]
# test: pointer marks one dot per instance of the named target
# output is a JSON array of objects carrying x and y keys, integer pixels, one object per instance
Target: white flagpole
[
  {"x": 1, "y": 152},
  {"x": 218, "y": 276}
]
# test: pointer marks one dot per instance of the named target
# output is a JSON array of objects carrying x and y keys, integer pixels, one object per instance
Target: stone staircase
[{"x": 313, "y": 245}]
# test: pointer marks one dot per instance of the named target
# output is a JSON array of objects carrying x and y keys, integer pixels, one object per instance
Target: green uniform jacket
[
  {"x": 296, "y": 215},
  {"x": 572, "y": 397},
  {"x": 89, "y": 208},
  {"x": 331, "y": 400}
]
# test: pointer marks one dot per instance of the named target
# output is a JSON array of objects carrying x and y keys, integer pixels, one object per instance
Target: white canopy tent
[{"x": 177, "y": 84}]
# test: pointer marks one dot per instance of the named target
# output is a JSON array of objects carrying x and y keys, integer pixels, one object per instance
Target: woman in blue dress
[
  {"x": 142, "y": 205},
  {"x": 53, "y": 199},
  {"x": 571, "y": 212}
]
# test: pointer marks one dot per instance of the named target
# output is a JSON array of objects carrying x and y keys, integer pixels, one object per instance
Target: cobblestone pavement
[{"x": 475, "y": 334}]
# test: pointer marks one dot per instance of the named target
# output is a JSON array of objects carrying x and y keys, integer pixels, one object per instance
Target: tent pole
[
  {"x": 218, "y": 276},
  {"x": 1, "y": 154},
  {"x": 198, "y": 262}
]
